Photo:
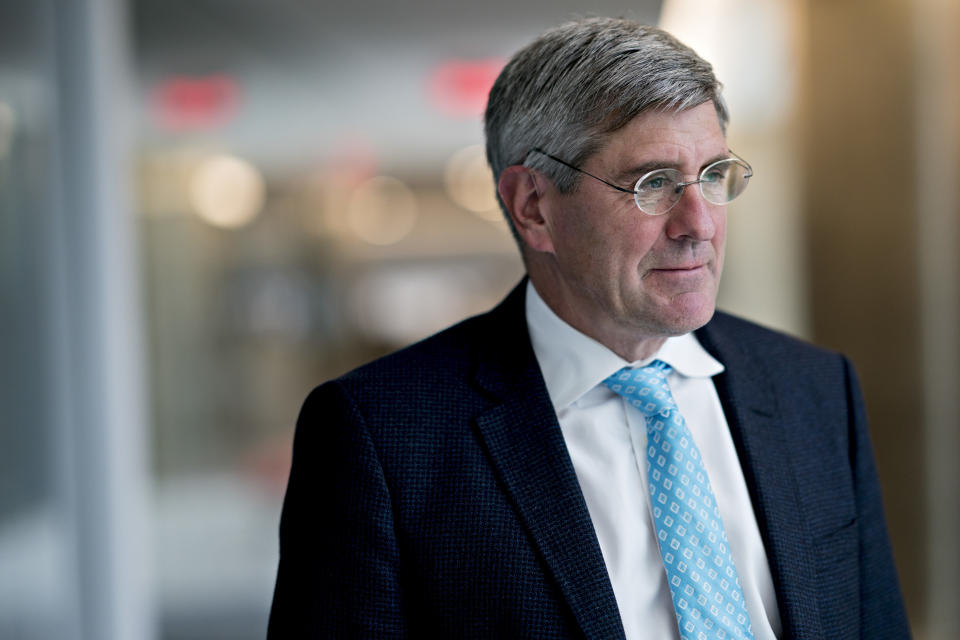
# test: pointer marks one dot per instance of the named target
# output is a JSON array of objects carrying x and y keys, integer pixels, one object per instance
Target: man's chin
[{"x": 680, "y": 319}]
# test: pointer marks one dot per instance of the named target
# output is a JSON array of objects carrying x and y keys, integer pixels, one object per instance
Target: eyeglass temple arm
[
  {"x": 567, "y": 164},
  {"x": 681, "y": 186}
]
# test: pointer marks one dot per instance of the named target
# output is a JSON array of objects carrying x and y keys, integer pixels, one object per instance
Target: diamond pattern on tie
[{"x": 703, "y": 579}]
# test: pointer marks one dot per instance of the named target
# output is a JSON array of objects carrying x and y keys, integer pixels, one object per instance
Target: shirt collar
[{"x": 573, "y": 363}]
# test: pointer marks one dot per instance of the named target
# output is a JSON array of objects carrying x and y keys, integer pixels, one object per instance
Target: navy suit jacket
[{"x": 432, "y": 494}]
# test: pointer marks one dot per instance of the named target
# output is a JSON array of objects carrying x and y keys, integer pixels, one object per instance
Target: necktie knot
[{"x": 645, "y": 388}]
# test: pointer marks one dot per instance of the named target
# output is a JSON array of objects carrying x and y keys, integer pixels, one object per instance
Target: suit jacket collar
[
  {"x": 765, "y": 451},
  {"x": 527, "y": 450}
]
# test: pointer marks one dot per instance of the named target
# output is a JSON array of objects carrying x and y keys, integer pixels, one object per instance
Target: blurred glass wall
[
  {"x": 35, "y": 538},
  {"x": 209, "y": 207},
  {"x": 74, "y": 539}
]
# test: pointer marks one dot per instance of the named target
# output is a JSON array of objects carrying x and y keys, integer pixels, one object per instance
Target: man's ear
[{"x": 521, "y": 194}]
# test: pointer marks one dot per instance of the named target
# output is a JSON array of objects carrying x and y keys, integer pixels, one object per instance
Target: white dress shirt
[{"x": 606, "y": 439}]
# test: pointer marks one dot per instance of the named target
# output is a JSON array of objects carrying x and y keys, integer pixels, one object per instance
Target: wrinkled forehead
[{"x": 696, "y": 131}]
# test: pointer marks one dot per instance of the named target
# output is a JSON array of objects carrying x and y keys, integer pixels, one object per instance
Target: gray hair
[{"x": 577, "y": 83}]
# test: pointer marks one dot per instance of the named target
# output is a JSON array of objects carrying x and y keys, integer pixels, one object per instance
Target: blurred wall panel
[
  {"x": 868, "y": 245},
  {"x": 73, "y": 540},
  {"x": 937, "y": 94},
  {"x": 38, "y": 591}
]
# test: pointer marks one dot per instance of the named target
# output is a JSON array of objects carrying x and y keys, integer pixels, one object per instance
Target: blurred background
[{"x": 207, "y": 207}]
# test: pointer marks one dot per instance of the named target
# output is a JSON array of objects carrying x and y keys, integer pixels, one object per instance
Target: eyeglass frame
[{"x": 679, "y": 187}]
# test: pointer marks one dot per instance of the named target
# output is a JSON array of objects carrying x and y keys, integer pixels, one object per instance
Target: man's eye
[
  {"x": 654, "y": 183},
  {"x": 714, "y": 176}
]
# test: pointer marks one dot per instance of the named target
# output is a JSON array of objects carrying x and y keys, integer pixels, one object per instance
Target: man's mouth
[{"x": 685, "y": 267}]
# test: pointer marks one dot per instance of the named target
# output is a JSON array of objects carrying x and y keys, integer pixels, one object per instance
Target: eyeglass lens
[{"x": 658, "y": 191}]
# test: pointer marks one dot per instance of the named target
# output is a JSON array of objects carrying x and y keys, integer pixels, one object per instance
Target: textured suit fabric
[{"x": 432, "y": 495}]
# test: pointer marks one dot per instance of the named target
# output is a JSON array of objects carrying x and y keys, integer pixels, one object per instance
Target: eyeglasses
[{"x": 658, "y": 191}]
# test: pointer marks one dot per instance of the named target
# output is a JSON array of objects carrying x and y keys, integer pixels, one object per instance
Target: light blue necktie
[{"x": 703, "y": 579}]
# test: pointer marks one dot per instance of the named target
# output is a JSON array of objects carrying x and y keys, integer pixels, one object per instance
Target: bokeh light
[
  {"x": 227, "y": 191},
  {"x": 382, "y": 210},
  {"x": 469, "y": 182}
]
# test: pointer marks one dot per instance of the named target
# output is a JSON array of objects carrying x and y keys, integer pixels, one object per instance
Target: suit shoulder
[
  {"x": 442, "y": 353},
  {"x": 758, "y": 338},
  {"x": 809, "y": 380}
]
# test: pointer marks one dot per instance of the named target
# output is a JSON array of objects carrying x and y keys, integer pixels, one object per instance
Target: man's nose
[{"x": 692, "y": 217}]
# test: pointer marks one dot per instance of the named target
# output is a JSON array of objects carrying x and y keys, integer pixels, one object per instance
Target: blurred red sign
[
  {"x": 460, "y": 87},
  {"x": 183, "y": 103}
]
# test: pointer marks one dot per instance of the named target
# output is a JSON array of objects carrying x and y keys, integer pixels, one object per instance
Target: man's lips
[
  {"x": 681, "y": 273},
  {"x": 691, "y": 267}
]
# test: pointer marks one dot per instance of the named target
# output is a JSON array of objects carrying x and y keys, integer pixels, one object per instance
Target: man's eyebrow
[
  {"x": 632, "y": 174},
  {"x": 716, "y": 158}
]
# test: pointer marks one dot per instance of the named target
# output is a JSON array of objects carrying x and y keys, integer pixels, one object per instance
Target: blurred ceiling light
[
  {"x": 469, "y": 182},
  {"x": 226, "y": 191},
  {"x": 460, "y": 87},
  {"x": 382, "y": 210},
  {"x": 752, "y": 47},
  {"x": 8, "y": 125},
  {"x": 184, "y": 103}
]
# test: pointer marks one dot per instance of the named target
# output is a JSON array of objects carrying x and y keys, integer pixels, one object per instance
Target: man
[{"x": 602, "y": 455}]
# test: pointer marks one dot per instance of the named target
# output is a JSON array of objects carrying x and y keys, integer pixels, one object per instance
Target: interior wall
[
  {"x": 870, "y": 221},
  {"x": 936, "y": 28}
]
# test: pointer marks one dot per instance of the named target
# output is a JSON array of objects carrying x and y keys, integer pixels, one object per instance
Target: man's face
[{"x": 619, "y": 274}]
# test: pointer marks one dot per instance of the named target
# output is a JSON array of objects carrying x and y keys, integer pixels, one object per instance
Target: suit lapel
[
  {"x": 765, "y": 453},
  {"x": 527, "y": 450}
]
